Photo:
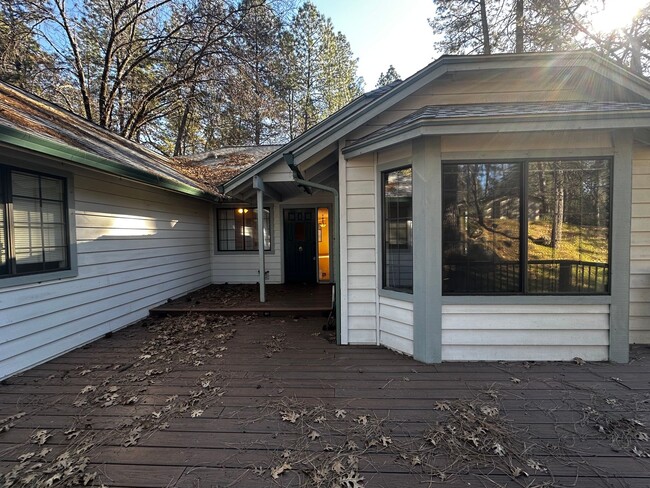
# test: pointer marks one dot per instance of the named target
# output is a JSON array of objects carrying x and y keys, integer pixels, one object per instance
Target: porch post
[
  {"x": 257, "y": 184},
  {"x": 619, "y": 310}
]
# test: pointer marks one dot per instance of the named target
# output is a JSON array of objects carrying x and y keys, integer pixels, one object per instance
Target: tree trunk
[
  {"x": 635, "y": 59},
  {"x": 542, "y": 193},
  {"x": 477, "y": 197},
  {"x": 519, "y": 32},
  {"x": 558, "y": 214},
  {"x": 182, "y": 128},
  {"x": 487, "y": 49}
]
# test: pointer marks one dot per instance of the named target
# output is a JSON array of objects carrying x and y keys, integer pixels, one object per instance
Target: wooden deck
[
  {"x": 194, "y": 401},
  {"x": 237, "y": 299}
]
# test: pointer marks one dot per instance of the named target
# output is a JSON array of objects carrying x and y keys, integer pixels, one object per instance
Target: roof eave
[
  {"x": 17, "y": 138},
  {"x": 519, "y": 123},
  {"x": 445, "y": 64}
]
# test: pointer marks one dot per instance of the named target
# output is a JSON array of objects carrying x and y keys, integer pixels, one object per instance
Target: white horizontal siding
[
  {"x": 525, "y": 332},
  {"x": 396, "y": 324},
  {"x": 640, "y": 248},
  {"x": 361, "y": 244},
  {"x": 137, "y": 246}
]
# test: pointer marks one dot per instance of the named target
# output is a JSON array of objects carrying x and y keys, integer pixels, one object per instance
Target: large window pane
[
  {"x": 568, "y": 226},
  {"x": 237, "y": 229},
  {"x": 481, "y": 228},
  {"x": 398, "y": 230},
  {"x": 565, "y": 231}
]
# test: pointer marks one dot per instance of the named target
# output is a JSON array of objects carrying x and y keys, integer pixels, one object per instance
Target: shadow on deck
[{"x": 236, "y": 299}]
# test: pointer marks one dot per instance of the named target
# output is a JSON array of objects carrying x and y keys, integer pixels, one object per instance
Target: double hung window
[{"x": 33, "y": 212}]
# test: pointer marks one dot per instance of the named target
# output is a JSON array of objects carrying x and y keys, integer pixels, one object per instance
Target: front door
[{"x": 299, "y": 245}]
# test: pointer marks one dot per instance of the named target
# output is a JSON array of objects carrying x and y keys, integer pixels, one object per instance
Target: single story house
[
  {"x": 95, "y": 230},
  {"x": 486, "y": 208}
]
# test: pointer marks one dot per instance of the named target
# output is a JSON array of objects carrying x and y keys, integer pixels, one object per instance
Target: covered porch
[{"x": 298, "y": 196}]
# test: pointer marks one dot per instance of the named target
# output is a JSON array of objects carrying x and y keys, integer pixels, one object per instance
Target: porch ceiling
[{"x": 322, "y": 169}]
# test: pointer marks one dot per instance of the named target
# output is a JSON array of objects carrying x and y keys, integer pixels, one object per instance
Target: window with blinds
[{"x": 33, "y": 212}]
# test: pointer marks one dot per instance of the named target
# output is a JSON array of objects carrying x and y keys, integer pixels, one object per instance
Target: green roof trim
[{"x": 18, "y": 138}]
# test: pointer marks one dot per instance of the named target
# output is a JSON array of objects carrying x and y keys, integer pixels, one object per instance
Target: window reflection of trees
[
  {"x": 398, "y": 230},
  {"x": 566, "y": 225}
]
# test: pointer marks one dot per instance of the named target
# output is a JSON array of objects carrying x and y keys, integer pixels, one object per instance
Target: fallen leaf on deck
[
  {"x": 278, "y": 470},
  {"x": 362, "y": 419},
  {"x": 40, "y": 437},
  {"x": 290, "y": 416}
]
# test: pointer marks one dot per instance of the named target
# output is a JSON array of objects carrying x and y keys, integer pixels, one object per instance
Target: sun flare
[{"x": 616, "y": 14}]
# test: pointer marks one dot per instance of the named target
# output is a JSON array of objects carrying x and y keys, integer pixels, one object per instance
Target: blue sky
[{"x": 384, "y": 32}]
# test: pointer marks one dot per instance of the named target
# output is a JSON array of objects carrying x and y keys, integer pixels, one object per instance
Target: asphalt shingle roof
[
  {"x": 36, "y": 116},
  {"x": 491, "y": 110},
  {"x": 220, "y": 165}
]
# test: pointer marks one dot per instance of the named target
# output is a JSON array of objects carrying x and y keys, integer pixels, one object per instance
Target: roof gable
[{"x": 600, "y": 71}]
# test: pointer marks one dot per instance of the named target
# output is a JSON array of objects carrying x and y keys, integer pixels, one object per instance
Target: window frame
[
  {"x": 391, "y": 292},
  {"x": 217, "y": 246},
  {"x": 18, "y": 164},
  {"x": 523, "y": 224}
]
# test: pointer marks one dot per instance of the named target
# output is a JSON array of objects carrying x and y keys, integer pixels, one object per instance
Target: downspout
[{"x": 297, "y": 177}]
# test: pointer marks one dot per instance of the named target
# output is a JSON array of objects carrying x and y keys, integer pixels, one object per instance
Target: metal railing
[{"x": 544, "y": 276}]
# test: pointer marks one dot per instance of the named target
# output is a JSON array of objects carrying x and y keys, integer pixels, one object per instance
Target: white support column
[
  {"x": 619, "y": 313},
  {"x": 258, "y": 185}
]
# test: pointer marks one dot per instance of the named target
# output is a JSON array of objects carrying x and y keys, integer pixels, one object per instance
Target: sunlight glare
[{"x": 617, "y": 14}]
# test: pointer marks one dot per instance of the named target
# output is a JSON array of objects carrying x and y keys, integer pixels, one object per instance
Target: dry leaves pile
[
  {"x": 38, "y": 468},
  {"x": 624, "y": 432},
  {"x": 329, "y": 446},
  {"x": 473, "y": 435},
  {"x": 189, "y": 340},
  {"x": 275, "y": 344},
  {"x": 333, "y": 447}
]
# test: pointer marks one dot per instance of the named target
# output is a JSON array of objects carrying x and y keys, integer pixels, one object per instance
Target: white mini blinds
[{"x": 33, "y": 212}]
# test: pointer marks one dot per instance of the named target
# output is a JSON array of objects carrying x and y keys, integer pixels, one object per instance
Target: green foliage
[
  {"x": 182, "y": 76},
  {"x": 22, "y": 60},
  {"x": 387, "y": 78},
  {"x": 320, "y": 70},
  {"x": 490, "y": 26}
]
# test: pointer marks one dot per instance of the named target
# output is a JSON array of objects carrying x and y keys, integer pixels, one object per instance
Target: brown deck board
[
  {"x": 275, "y": 363},
  {"x": 237, "y": 299}
]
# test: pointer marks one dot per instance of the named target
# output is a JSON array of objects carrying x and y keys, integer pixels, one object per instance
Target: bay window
[
  {"x": 526, "y": 227},
  {"x": 397, "y": 204}
]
